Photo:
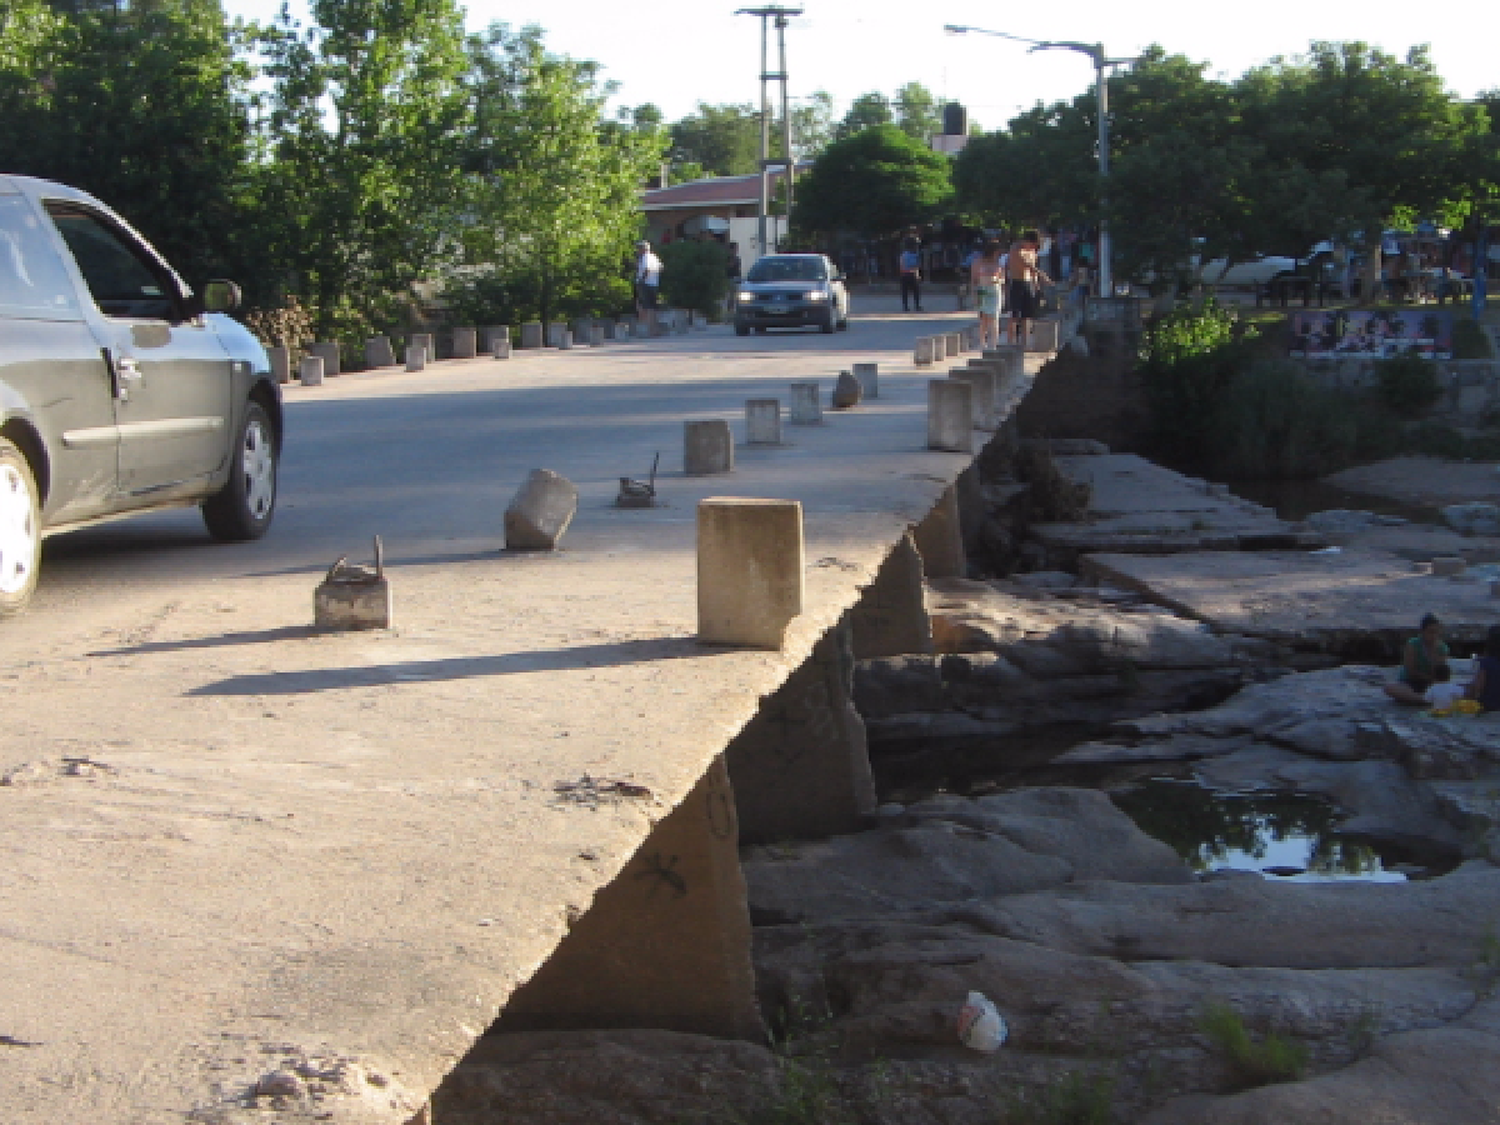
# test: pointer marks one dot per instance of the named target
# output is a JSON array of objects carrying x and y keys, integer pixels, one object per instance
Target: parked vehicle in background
[
  {"x": 121, "y": 390},
  {"x": 792, "y": 291},
  {"x": 1245, "y": 275}
]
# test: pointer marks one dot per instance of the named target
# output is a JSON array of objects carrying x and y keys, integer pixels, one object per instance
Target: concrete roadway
[{"x": 229, "y": 838}]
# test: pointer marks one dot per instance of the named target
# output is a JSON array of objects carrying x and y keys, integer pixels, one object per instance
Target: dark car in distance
[
  {"x": 121, "y": 390},
  {"x": 792, "y": 291}
]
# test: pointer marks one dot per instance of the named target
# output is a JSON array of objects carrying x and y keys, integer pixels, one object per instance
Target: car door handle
[{"x": 128, "y": 370}]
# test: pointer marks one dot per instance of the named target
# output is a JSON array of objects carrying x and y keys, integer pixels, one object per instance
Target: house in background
[{"x": 726, "y": 207}]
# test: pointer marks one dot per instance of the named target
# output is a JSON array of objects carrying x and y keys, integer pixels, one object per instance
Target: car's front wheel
[
  {"x": 20, "y": 530},
  {"x": 741, "y": 328},
  {"x": 243, "y": 508}
]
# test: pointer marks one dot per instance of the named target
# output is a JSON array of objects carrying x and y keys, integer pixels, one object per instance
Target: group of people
[
  {"x": 1003, "y": 280},
  {"x": 1426, "y": 676}
]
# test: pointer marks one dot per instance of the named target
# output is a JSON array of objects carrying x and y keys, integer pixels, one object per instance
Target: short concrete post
[
  {"x": 583, "y": 331},
  {"x": 281, "y": 363},
  {"x": 465, "y": 343},
  {"x": 1044, "y": 336},
  {"x": 1013, "y": 360},
  {"x": 868, "y": 375},
  {"x": 610, "y": 329},
  {"x": 642, "y": 329},
  {"x": 416, "y": 357},
  {"x": 540, "y": 512},
  {"x": 310, "y": 371},
  {"x": 500, "y": 349},
  {"x": 982, "y": 381},
  {"x": 682, "y": 323},
  {"x": 493, "y": 334},
  {"x": 427, "y": 342},
  {"x": 953, "y": 341},
  {"x": 565, "y": 340},
  {"x": 625, "y": 328},
  {"x": 354, "y": 598},
  {"x": 531, "y": 334},
  {"x": 707, "y": 447},
  {"x": 807, "y": 410},
  {"x": 950, "y": 416},
  {"x": 922, "y": 351},
  {"x": 750, "y": 567},
  {"x": 596, "y": 336},
  {"x": 379, "y": 352},
  {"x": 846, "y": 392},
  {"x": 763, "y": 421},
  {"x": 555, "y": 330},
  {"x": 329, "y": 354}
]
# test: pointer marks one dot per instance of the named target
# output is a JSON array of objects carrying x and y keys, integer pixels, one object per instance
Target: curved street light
[{"x": 1101, "y": 61}]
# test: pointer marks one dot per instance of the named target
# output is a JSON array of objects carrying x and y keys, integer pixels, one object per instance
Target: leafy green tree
[
  {"x": 917, "y": 112},
  {"x": 812, "y": 124},
  {"x": 1038, "y": 172},
  {"x": 695, "y": 275},
  {"x": 363, "y": 171},
  {"x": 141, "y": 105},
  {"x": 722, "y": 140},
  {"x": 552, "y": 195},
  {"x": 873, "y": 183},
  {"x": 866, "y": 112}
]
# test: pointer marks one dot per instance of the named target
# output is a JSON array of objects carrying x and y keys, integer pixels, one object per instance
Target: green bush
[
  {"x": 1273, "y": 421},
  {"x": 1077, "y": 1098},
  {"x": 1470, "y": 341},
  {"x": 1273, "y": 1059},
  {"x": 695, "y": 275},
  {"x": 1408, "y": 383}
]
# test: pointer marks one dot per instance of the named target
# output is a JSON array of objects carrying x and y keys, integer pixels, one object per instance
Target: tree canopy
[{"x": 874, "y": 183}]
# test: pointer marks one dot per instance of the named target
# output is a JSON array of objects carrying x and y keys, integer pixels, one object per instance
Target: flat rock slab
[
  {"x": 1424, "y": 480},
  {"x": 1303, "y": 596},
  {"x": 1139, "y": 506}
]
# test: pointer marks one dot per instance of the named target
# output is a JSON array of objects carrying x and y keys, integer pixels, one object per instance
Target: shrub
[
  {"x": 290, "y": 327},
  {"x": 695, "y": 275},
  {"x": 1077, "y": 1098},
  {"x": 1273, "y": 1059},
  {"x": 1408, "y": 383},
  {"x": 1273, "y": 421},
  {"x": 1470, "y": 341}
]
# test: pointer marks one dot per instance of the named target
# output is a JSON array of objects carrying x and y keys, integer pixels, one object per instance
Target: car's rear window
[
  {"x": 33, "y": 282},
  {"x": 787, "y": 269}
]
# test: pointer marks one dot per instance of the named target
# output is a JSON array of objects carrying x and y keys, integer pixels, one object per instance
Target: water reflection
[{"x": 1287, "y": 835}]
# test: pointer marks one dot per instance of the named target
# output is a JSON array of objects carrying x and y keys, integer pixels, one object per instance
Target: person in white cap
[{"x": 647, "y": 284}]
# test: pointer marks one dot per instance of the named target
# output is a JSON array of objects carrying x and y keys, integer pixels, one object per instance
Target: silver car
[
  {"x": 792, "y": 291},
  {"x": 120, "y": 389}
]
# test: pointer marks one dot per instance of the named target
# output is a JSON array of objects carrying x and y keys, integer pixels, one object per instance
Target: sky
[{"x": 676, "y": 53}]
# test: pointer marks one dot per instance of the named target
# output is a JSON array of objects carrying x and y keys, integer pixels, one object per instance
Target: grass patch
[
  {"x": 1273, "y": 1059},
  {"x": 1077, "y": 1098}
]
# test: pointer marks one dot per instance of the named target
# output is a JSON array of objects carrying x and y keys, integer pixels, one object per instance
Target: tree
[
  {"x": 722, "y": 140},
  {"x": 917, "y": 112},
  {"x": 866, "y": 112},
  {"x": 812, "y": 125},
  {"x": 551, "y": 200},
  {"x": 1039, "y": 172},
  {"x": 874, "y": 183},
  {"x": 141, "y": 105}
]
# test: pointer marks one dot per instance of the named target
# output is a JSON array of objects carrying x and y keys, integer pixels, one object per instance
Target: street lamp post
[
  {"x": 1102, "y": 62},
  {"x": 779, "y": 13}
]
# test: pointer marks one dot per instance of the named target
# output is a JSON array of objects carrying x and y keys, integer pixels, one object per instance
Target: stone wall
[{"x": 1471, "y": 387}]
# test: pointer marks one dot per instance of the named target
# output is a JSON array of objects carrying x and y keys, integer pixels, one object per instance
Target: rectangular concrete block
[
  {"x": 924, "y": 351},
  {"x": 750, "y": 570},
  {"x": 492, "y": 334},
  {"x": 329, "y": 354},
  {"x": 565, "y": 341},
  {"x": 555, "y": 330},
  {"x": 310, "y": 371},
  {"x": 501, "y": 348},
  {"x": 596, "y": 336},
  {"x": 583, "y": 331},
  {"x": 427, "y": 342},
  {"x": 353, "y": 605},
  {"x": 1045, "y": 336},
  {"x": 950, "y": 416},
  {"x": 868, "y": 375},
  {"x": 707, "y": 447},
  {"x": 986, "y": 403},
  {"x": 807, "y": 407},
  {"x": 540, "y": 512},
  {"x": 763, "y": 421},
  {"x": 379, "y": 352},
  {"x": 610, "y": 329},
  {"x": 465, "y": 343},
  {"x": 625, "y": 328},
  {"x": 281, "y": 363},
  {"x": 416, "y": 357},
  {"x": 532, "y": 334}
]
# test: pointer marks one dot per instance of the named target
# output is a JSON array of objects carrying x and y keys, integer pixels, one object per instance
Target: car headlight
[
  {"x": 746, "y": 296},
  {"x": 817, "y": 295}
]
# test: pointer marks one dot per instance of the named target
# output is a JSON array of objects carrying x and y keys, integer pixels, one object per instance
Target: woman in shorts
[{"x": 985, "y": 277}]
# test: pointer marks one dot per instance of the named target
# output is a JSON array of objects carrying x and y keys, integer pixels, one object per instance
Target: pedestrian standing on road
[
  {"x": 1024, "y": 279},
  {"x": 985, "y": 275},
  {"x": 735, "y": 270},
  {"x": 911, "y": 277},
  {"x": 647, "y": 284}
]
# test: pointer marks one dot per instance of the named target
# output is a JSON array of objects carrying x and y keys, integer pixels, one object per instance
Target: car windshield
[{"x": 787, "y": 269}]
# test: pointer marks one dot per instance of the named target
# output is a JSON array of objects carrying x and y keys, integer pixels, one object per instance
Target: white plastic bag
[{"x": 980, "y": 1025}]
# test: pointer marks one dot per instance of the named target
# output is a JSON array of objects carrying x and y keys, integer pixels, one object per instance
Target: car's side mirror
[{"x": 221, "y": 296}]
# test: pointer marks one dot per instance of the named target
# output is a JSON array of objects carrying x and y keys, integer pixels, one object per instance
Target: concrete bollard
[
  {"x": 750, "y": 568},
  {"x": 281, "y": 364},
  {"x": 416, "y": 357},
  {"x": 565, "y": 341},
  {"x": 1044, "y": 336},
  {"x": 492, "y": 334},
  {"x": 379, "y": 352},
  {"x": 329, "y": 354},
  {"x": 922, "y": 351},
  {"x": 427, "y": 342},
  {"x": 532, "y": 334},
  {"x": 310, "y": 371},
  {"x": 807, "y": 409},
  {"x": 1448, "y": 566},
  {"x": 763, "y": 421},
  {"x": 625, "y": 328},
  {"x": 682, "y": 323},
  {"x": 955, "y": 342},
  {"x": 596, "y": 336},
  {"x": 846, "y": 392},
  {"x": 501, "y": 347},
  {"x": 983, "y": 381},
  {"x": 950, "y": 416},
  {"x": 583, "y": 331},
  {"x": 610, "y": 329},
  {"x": 707, "y": 448},
  {"x": 354, "y": 597},
  {"x": 465, "y": 343},
  {"x": 555, "y": 330},
  {"x": 540, "y": 512},
  {"x": 868, "y": 375},
  {"x": 641, "y": 329}
]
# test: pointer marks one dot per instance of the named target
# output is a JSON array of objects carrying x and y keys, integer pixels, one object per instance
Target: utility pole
[{"x": 780, "y": 14}]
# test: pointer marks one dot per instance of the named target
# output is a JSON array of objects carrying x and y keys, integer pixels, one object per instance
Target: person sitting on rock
[
  {"x": 1422, "y": 654},
  {"x": 1443, "y": 693},
  {"x": 1486, "y": 684}
]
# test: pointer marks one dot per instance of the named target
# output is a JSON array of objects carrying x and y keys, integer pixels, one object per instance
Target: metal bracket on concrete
[
  {"x": 638, "y": 494},
  {"x": 353, "y": 596}
]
